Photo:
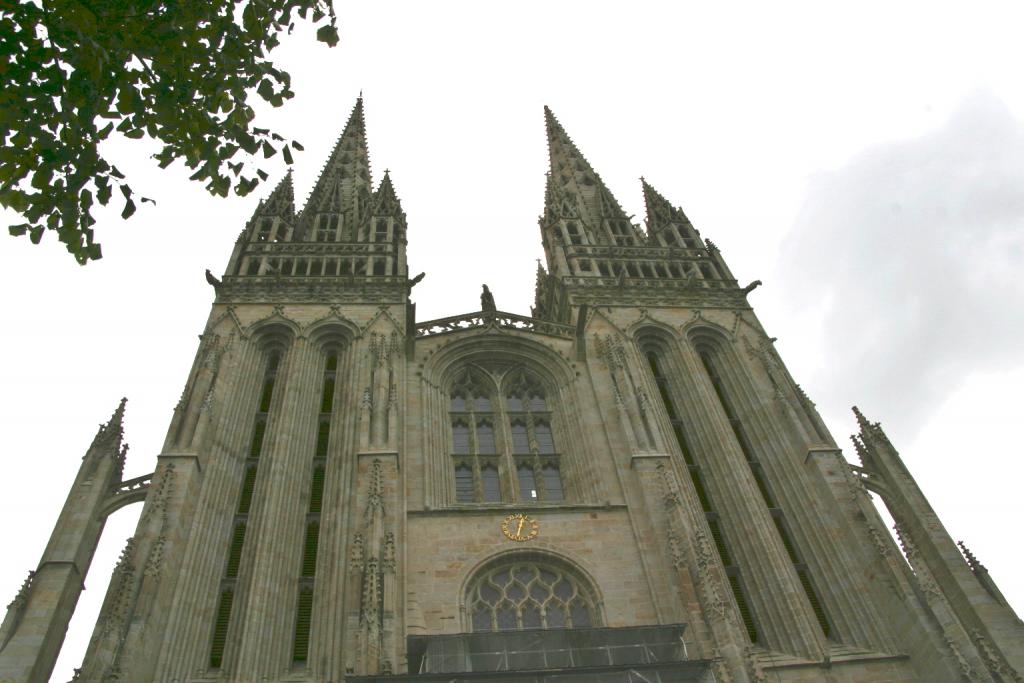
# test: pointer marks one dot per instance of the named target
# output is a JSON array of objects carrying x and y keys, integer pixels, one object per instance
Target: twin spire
[{"x": 574, "y": 190}]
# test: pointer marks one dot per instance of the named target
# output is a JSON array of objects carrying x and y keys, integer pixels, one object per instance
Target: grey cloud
[{"x": 918, "y": 248}]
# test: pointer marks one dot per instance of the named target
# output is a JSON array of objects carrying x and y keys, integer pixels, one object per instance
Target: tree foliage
[{"x": 74, "y": 72}]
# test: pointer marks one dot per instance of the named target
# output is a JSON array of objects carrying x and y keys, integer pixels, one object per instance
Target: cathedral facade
[{"x": 626, "y": 485}]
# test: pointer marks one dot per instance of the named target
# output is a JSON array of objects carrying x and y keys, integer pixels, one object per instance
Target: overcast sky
[{"x": 867, "y": 165}]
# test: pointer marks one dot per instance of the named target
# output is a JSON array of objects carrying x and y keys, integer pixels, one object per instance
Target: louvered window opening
[
  {"x": 311, "y": 540},
  {"x": 778, "y": 517},
  {"x": 236, "y": 542},
  {"x": 529, "y": 595},
  {"x": 486, "y": 431},
  {"x": 327, "y": 266},
  {"x": 732, "y": 571}
]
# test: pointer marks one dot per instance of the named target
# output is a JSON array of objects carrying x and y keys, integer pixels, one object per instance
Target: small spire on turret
[
  {"x": 281, "y": 201},
  {"x": 110, "y": 434},
  {"x": 385, "y": 199},
  {"x": 661, "y": 215}
]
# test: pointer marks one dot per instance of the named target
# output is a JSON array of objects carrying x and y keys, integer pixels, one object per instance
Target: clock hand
[{"x": 519, "y": 531}]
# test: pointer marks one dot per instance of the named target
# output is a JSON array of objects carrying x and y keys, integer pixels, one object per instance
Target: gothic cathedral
[{"x": 624, "y": 486}]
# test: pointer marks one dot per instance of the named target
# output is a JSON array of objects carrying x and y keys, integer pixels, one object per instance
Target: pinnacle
[
  {"x": 861, "y": 420},
  {"x": 281, "y": 201},
  {"x": 660, "y": 212},
  {"x": 118, "y": 416},
  {"x": 385, "y": 199},
  {"x": 109, "y": 434}
]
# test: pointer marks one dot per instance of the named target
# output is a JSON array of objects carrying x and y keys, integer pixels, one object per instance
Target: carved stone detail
[
  {"x": 994, "y": 660},
  {"x": 755, "y": 670}
]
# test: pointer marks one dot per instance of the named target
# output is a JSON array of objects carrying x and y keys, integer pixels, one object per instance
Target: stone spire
[
  {"x": 344, "y": 183},
  {"x": 572, "y": 177},
  {"x": 110, "y": 434},
  {"x": 661, "y": 215},
  {"x": 385, "y": 200},
  {"x": 281, "y": 201}
]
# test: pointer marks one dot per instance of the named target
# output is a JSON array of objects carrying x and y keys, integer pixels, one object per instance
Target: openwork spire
[
  {"x": 345, "y": 178},
  {"x": 572, "y": 177}
]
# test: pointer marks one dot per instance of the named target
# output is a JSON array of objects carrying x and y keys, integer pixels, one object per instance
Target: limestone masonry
[{"x": 624, "y": 486}]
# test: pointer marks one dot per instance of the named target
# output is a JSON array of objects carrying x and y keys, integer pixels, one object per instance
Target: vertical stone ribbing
[
  {"x": 268, "y": 614},
  {"x": 777, "y": 597},
  {"x": 186, "y": 643},
  {"x": 329, "y": 596},
  {"x": 815, "y": 528}
]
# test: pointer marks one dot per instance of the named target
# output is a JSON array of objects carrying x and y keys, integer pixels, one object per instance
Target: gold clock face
[{"x": 520, "y": 527}]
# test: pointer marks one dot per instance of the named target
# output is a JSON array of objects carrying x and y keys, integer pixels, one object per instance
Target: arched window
[
  {"x": 530, "y": 592},
  {"x": 503, "y": 449},
  {"x": 474, "y": 443}
]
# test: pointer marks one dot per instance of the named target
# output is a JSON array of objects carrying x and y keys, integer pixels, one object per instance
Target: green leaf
[
  {"x": 18, "y": 230},
  {"x": 297, "y": 146},
  {"x": 129, "y": 209},
  {"x": 287, "y": 155},
  {"x": 328, "y": 34},
  {"x": 103, "y": 192}
]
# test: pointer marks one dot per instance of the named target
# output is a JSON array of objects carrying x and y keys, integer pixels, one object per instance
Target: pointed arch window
[{"x": 502, "y": 443}]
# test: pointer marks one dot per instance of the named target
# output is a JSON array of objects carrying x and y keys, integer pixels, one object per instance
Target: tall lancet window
[
  {"x": 656, "y": 361},
  {"x": 222, "y": 616},
  {"x": 311, "y": 537},
  {"x": 474, "y": 444},
  {"x": 538, "y": 470},
  {"x": 710, "y": 357}
]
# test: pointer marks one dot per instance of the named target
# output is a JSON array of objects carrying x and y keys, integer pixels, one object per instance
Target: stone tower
[{"x": 626, "y": 485}]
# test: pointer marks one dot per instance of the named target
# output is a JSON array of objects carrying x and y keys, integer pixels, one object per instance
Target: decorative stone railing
[
  {"x": 499, "y": 319},
  {"x": 127, "y": 492}
]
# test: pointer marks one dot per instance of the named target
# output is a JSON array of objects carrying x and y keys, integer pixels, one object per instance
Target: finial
[{"x": 861, "y": 420}]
